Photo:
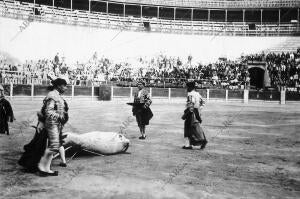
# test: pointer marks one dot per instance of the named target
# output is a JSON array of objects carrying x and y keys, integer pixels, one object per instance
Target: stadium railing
[
  {"x": 102, "y": 20},
  {"x": 27, "y": 78},
  {"x": 93, "y": 93},
  {"x": 215, "y": 3}
]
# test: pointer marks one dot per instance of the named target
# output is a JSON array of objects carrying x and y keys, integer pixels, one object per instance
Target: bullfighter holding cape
[
  {"x": 47, "y": 141},
  {"x": 141, "y": 108},
  {"x": 193, "y": 133}
]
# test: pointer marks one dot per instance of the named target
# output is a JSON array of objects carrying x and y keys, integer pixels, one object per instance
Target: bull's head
[{"x": 121, "y": 138}]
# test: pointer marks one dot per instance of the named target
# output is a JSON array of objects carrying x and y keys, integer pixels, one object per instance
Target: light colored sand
[{"x": 255, "y": 156}]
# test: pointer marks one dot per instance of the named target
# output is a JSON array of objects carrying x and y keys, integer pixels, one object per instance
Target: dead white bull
[{"x": 99, "y": 142}]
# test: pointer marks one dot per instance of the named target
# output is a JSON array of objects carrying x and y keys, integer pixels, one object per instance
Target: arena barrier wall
[
  {"x": 122, "y": 91},
  {"x": 105, "y": 92},
  {"x": 160, "y": 92},
  {"x": 82, "y": 91},
  {"x": 22, "y": 90},
  {"x": 265, "y": 95},
  {"x": 292, "y": 96},
  {"x": 217, "y": 94},
  {"x": 179, "y": 92},
  {"x": 236, "y": 94},
  {"x": 108, "y": 92}
]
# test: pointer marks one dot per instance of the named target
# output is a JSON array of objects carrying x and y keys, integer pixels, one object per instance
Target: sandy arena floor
[{"x": 253, "y": 152}]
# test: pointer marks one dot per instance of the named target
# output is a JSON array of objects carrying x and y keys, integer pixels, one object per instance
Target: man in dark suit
[{"x": 6, "y": 113}]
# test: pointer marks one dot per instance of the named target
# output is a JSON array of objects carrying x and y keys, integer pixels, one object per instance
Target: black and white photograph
[{"x": 150, "y": 99}]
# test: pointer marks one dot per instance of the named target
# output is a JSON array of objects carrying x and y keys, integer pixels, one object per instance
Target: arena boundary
[{"x": 114, "y": 93}]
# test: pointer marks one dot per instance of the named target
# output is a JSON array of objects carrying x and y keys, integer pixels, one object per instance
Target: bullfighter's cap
[
  {"x": 141, "y": 82},
  {"x": 58, "y": 82},
  {"x": 191, "y": 84}
]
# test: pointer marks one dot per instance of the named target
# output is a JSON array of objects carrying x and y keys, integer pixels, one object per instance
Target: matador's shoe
[
  {"x": 187, "y": 147},
  {"x": 45, "y": 174},
  {"x": 204, "y": 144}
]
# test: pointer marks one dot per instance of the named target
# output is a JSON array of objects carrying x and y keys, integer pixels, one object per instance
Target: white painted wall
[{"x": 44, "y": 40}]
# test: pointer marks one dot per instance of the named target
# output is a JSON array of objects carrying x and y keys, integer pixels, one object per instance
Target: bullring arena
[
  {"x": 244, "y": 57},
  {"x": 253, "y": 152}
]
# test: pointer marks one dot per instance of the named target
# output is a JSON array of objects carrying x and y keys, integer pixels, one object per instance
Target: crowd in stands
[
  {"x": 160, "y": 71},
  {"x": 283, "y": 69}
]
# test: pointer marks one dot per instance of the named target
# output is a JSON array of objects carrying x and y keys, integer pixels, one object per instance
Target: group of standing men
[
  {"x": 48, "y": 138},
  {"x": 193, "y": 133}
]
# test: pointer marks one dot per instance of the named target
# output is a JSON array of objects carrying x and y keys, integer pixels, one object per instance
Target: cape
[{"x": 33, "y": 151}]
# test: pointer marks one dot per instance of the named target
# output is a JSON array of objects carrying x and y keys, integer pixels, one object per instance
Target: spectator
[{"x": 6, "y": 113}]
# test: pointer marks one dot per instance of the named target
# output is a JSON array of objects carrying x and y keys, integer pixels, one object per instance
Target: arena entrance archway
[{"x": 257, "y": 77}]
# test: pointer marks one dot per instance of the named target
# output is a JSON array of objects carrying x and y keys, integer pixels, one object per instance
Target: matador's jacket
[
  {"x": 54, "y": 114},
  {"x": 141, "y": 108},
  {"x": 6, "y": 115}
]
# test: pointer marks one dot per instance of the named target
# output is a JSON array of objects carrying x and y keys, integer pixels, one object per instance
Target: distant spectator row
[{"x": 283, "y": 70}]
